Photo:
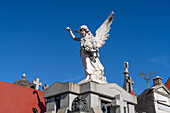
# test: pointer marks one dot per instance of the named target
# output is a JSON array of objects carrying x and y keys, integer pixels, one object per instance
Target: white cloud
[{"x": 161, "y": 59}]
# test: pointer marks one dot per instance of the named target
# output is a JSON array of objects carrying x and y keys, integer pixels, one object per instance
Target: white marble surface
[{"x": 89, "y": 52}]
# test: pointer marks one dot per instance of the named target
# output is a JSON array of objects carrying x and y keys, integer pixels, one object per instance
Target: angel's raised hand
[{"x": 68, "y": 29}]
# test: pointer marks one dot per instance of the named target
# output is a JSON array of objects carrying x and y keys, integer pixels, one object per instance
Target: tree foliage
[{"x": 147, "y": 77}]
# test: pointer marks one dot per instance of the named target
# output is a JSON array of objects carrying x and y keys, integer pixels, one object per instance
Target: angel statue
[{"x": 89, "y": 51}]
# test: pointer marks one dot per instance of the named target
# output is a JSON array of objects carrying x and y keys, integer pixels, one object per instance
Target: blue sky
[{"x": 33, "y": 39}]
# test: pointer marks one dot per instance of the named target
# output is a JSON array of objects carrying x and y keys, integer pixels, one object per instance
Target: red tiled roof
[
  {"x": 20, "y": 99},
  {"x": 167, "y": 84}
]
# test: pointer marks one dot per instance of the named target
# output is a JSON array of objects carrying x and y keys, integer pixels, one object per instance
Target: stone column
[
  {"x": 131, "y": 108},
  {"x": 66, "y": 100},
  {"x": 93, "y": 102},
  {"x": 51, "y": 105}
]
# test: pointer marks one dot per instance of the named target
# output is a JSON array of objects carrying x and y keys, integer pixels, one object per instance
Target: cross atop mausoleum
[
  {"x": 130, "y": 84},
  {"x": 45, "y": 87},
  {"x": 37, "y": 83}
]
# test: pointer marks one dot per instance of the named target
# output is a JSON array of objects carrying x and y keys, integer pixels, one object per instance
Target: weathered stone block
[
  {"x": 51, "y": 106},
  {"x": 63, "y": 110}
]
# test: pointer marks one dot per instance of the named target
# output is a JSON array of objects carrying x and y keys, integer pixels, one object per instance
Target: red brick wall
[
  {"x": 167, "y": 84},
  {"x": 20, "y": 99}
]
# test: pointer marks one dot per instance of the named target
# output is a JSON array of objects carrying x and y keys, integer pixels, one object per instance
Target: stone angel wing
[{"x": 102, "y": 32}]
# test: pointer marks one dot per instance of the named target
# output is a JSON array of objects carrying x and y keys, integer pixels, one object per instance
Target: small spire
[
  {"x": 23, "y": 76},
  {"x": 127, "y": 85}
]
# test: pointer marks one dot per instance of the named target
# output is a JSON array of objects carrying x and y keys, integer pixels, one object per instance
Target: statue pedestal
[
  {"x": 94, "y": 78},
  {"x": 99, "y": 97}
]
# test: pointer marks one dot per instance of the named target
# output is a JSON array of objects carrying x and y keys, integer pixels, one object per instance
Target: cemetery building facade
[
  {"x": 155, "y": 99},
  {"x": 90, "y": 97},
  {"x": 86, "y": 97},
  {"x": 100, "y": 98}
]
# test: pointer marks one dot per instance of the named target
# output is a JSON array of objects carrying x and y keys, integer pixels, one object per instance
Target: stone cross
[
  {"x": 37, "y": 83},
  {"x": 130, "y": 83},
  {"x": 119, "y": 105},
  {"x": 45, "y": 87}
]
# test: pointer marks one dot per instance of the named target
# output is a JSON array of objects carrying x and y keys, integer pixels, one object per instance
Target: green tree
[{"x": 147, "y": 77}]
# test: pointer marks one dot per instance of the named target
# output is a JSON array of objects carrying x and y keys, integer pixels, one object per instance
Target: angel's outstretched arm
[{"x": 72, "y": 35}]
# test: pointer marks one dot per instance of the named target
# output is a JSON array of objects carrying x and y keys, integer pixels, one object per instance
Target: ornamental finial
[
  {"x": 23, "y": 76},
  {"x": 126, "y": 65}
]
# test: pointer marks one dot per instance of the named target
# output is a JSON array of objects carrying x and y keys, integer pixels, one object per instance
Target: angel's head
[{"x": 83, "y": 30}]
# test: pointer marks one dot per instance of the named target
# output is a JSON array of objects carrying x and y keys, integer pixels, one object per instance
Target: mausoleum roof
[
  {"x": 24, "y": 82},
  {"x": 155, "y": 89}
]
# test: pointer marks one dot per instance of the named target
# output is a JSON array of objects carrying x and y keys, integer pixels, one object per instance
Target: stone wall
[{"x": 145, "y": 102}]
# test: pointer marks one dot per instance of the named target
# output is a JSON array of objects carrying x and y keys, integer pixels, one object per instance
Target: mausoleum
[
  {"x": 155, "y": 99},
  {"x": 94, "y": 98}
]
